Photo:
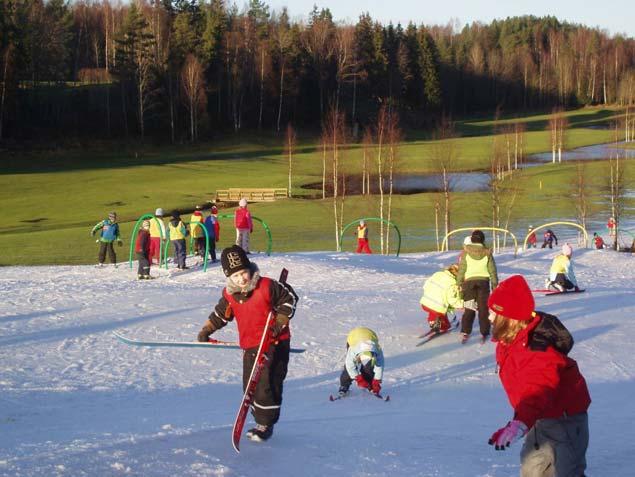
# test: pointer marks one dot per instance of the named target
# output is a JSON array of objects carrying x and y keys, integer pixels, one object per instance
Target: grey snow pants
[{"x": 556, "y": 447}]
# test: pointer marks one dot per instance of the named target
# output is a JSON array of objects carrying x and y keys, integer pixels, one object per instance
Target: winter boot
[
  {"x": 484, "y": 339},
  {"x": 464, "y": 338},
  {"x": 260, "y": 432},
  {"x": 343, "y": 391}
]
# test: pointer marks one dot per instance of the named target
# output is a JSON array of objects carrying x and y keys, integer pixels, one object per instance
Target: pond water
[{"x": 595, "y": 152}]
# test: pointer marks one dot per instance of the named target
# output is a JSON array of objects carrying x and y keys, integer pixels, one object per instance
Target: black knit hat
[
  {"x": 233, "y": 259},
  {"x": 478, "y": 237}
]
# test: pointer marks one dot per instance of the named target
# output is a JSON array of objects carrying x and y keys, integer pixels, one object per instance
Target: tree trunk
[
  {"x": 281, "y": 94},
  {"x": 262, "y": 86}
]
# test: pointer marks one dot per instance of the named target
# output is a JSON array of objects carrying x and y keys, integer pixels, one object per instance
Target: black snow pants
[
  {"x": 561, "y": 279},
  {"x": 107, "y": 247},
  {"x": 478, "y": 290},
  {"x": 268, "y": 397},
  {"x": 144, "y": 265}
]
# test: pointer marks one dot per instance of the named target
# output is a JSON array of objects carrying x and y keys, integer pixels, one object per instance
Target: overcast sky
[{"x": 615, "y": 16}]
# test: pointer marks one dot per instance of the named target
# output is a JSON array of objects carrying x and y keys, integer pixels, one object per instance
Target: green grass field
[{"x": 51, "y": 200}]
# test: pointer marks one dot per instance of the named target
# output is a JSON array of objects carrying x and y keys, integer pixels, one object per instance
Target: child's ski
[
  {"x": 341, "y": 396},
  {"x": 260, "y": 364},
  {"x": 563, "y": 292},
  {"x": 212, "y": 343}
]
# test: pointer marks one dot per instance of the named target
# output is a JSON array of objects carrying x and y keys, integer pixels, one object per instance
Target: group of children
[{"x": 544, "y": 386}]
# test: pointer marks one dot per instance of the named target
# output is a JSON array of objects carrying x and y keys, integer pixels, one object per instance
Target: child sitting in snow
[
  {"x": 561, "y": 276},
  {"x": 544, "y": 386},
  {"x": 364, "y": 361},
  {"x": 441, "y": 295}
]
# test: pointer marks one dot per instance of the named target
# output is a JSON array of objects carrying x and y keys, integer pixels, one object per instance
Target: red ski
[{"x": 259, "y": 365}]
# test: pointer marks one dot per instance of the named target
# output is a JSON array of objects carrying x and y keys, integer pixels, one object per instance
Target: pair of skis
[
  {"x": 341, "y": 396},
  {"x": 550, "y": 291},
  {"x": 430, "y": 335}
]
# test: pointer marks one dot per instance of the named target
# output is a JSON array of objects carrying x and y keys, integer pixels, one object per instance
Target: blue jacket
[
  {"x": 209, "y": 222},
  {"x": 109, "y": 230}
]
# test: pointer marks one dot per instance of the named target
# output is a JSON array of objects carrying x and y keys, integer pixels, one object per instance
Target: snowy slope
[{"x": 74, "y": 401}]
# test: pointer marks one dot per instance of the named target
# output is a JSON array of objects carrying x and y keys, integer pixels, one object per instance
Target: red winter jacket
[
  {"x": 142, "y": 244},
  {"x": 242, "y": 219},
  {"x": 541, "y": 384}
]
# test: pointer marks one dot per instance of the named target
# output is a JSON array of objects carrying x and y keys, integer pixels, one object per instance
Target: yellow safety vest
[
  {"x": 176, "y": 233},
  {"x": 476, "y": 267},
  {"x": 559, "y": 264},
  {"x": 156, "y": 228},
  {"x": 196, "y": 230},
  {"x": 359, "y": 334},
  {"x": 362, "y": 232},
  {"x": 440, "y": 292}
]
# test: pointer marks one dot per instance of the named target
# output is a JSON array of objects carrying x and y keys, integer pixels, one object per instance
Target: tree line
[{"x": 186, "y": 69}]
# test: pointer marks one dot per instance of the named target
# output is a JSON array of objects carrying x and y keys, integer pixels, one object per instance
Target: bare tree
[
  {"x": 7, "y": 56},
  {"x": 581, "y": 193},
  {"x": 318, "y": 42},
  {"x": 557, "y": 127},
  {"x": 344, "y": 56},
  {"x": 616, "y": 188},
  {"x": 289, "y": 144},
  {"x": 193, "y": 84},
  {"x": 335, "y": 134},
  {"x": 445, "y": 156},
  {"x": 393, "y": 139},
  {"x": 367, "y": 146},
  {"x": 380, "y": 136}
]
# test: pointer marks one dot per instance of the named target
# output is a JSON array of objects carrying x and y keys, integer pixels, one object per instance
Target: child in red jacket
[
  {"x": 544, "y": 386},
  {"x": 142, "y": 250}
]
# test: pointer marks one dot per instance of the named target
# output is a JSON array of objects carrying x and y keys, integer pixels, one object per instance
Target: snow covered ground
[{"x": 74, "y": 401}]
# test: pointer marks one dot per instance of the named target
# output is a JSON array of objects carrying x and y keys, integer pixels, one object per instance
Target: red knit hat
[{"x": 512, "y": 298}]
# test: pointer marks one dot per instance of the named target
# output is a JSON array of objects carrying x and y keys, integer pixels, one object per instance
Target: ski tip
[
  {"x": 331, "y": 398},
  {"x": 387, "y": 398}
]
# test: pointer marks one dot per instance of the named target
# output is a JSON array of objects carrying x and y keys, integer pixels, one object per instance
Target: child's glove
[
  {"x": 361, "y": 382},
  {"x": 206, "y": 331},
  {"x": 375, "y": 386},
  {"x": 507, "y": 435},
  {"x": 281, "y": 322}
]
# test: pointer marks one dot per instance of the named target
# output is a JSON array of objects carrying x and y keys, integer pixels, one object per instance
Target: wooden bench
[{"x": 252, "y": 195}]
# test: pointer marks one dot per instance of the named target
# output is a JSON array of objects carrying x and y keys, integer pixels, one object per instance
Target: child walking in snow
[
  {"x": 364, "y": 362},
  {"x": 476, "y": 272},
  {"x": 249, "y": 298},
  {"x": 158, "y": 236},
  {"x": 244, "y": 225},
  {"x": 109, "y": 234},
  {"x": 441, "y": 295},
  {"x": 561, "y": 275},
  {"x": 549, "y": 237},
  {"x": 362, "y": 238},
  {"x": 213, "y": 231},
  {"x": 178, "y": 232},
  {"x": 544, "y": 386},
  {"x": 532, "y": 240},
  {"x": 142, "y": 251},
  {"x": 198, "y": 234}
]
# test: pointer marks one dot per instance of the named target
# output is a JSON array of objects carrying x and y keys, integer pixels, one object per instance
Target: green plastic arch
[
  {"x": 444, "y": 244},
  {"x": 264, "y": 225},
  {"x": 372, "y": 219},
  {"x": 134, "y": 235},
  {"x": 572, "y": 224}
]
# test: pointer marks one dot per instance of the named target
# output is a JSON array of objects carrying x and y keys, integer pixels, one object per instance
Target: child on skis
[
  {"x": 532, "y": 240},
  {"x": 548, "y": 238},
  {"x": 476, "y": 272},
  {"x": 178, "y": 232},
  {"x": 362, "y": 238},
  {"x": 249, "y": 298},
  {"x": 213, "y": 231},
  {"x": 441, "y": 295},
  {"x": 364, "y": 362},
  {"x": 544, "y": 386},
  {"x": 109, "y": 234},
  {"x": 244, "y": 225},
  {"x": 561, "y": 275},
  {"x": 158, "y": 235},
  {"x": 198, "y": 234},
  {"x": 598, "y": 241},
  {"x": 142, "y": 251}
]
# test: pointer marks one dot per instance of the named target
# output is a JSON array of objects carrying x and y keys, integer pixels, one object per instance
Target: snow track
[{"x": 74, "y": 401}]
